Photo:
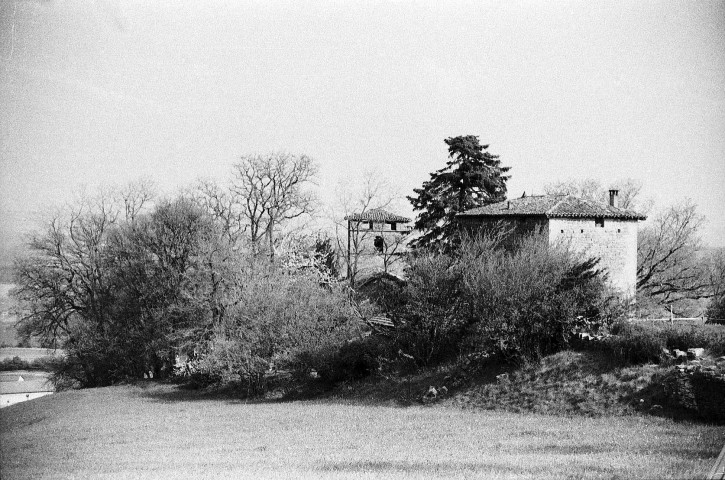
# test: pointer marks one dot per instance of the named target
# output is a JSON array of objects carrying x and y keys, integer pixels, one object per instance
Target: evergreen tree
[{"x": 472, "y": 178}]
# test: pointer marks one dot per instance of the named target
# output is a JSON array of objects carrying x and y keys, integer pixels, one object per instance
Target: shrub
[
  {"x": 529, "y": 302},
  {"x": 521, "y": 303},
  {"x": 644, "y": 343},
  {"x": 384, "y": 290},
  {"x": 277, "y": 322},
  {"x": 15, "y": 363},
  {"x": 636, "y": 344},
  {"x": 432, "y": 327},
  {"x": 716, "y": 309},
  {"x": 709, "y": 337},
  {"x": 353, "y": 360}
]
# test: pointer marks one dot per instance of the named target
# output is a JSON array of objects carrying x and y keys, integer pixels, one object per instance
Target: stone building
[
  {"x": 375, "y": 242},
  {"x": 595, "y": 228}
]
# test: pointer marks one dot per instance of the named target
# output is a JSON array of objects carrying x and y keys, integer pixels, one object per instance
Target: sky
[{"x": 108, "y": 91}]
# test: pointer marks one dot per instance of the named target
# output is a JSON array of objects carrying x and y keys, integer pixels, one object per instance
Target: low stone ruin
[{"x": 698, "y": 384}]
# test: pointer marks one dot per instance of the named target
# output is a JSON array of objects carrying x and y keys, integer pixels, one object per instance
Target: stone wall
[
  {"x": 371, "y": 260},
  {"x": 615, "y": 243}
]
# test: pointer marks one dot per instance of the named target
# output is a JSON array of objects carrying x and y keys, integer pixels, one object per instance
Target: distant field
[
  {"x": 26, "y": 374},
  {"x": 155, "y": 431},
  {"x": 28, "y": 354}
]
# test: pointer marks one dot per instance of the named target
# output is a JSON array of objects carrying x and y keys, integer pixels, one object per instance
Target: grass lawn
[{"x": 156, "y": 431}]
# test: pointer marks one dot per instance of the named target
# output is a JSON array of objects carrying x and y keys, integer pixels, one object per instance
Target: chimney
[{"x": 613, "y": 200}]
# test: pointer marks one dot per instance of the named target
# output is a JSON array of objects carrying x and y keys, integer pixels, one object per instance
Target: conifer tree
[{"x": 472, "y": 178}]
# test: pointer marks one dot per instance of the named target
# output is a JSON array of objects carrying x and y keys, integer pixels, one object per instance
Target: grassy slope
[
  {"x": 570, "y": 383},
  {"x": 156, "y": 431}
]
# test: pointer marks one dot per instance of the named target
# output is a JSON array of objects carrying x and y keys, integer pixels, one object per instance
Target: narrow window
[
  {"x": 599, "y": 222},
  {"x": 379, "y": 244},
  {"x": 370, "y": 225},
  {"x": 393, "y": 226},
  {"x": 582, "y": 230},
  {"x": 619, "y": 230},
  {"x": 562, "y": 231}
]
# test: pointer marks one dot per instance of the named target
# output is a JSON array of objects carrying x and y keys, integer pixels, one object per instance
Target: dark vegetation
[
  {"x": 210, "y": 288},
  {"x": 47, "y": 364},
  {"x": 633, "y": 344},
  {"x": 515, "y": 304},
  {"x": 472, "y": 177}
]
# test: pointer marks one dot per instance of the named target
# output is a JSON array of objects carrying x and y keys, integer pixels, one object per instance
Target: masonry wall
[
  {"x": 615, "y": 244},
  {"x": 370, "y": 260}
]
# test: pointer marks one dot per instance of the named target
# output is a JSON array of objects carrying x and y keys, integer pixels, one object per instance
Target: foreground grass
[{"x": 156, "y": 431}]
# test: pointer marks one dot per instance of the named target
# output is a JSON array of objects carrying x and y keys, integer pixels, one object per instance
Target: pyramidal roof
[
  {"x": 377, "y": 215},
  {"x": 552, "y": 206}
]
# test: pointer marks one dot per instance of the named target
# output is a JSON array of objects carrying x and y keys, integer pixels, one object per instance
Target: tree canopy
[
  {"x": 669, "y": 268},
  {"x": 471, "y": 178},
  {"x": 592, "y": 189}
]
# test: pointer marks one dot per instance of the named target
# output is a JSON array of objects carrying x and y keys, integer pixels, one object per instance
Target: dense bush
[
  {"x": 521, "y": 303},
  {"x": 352, "y": 360},
  {"x": 278, "y": 320},
  {"x": 432, "y": 325},
  {"x": 383, "y": 289},
  {"x": 43, "y": 363},
  {"x": 116, "y": 294},
  {"x": 716, "y": 309},
  {"x": 529, "y": 302},
  {"x": 635, "y": 344}
]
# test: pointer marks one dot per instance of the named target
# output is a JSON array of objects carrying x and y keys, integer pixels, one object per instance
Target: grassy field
[{"x": 156, "y": 431}]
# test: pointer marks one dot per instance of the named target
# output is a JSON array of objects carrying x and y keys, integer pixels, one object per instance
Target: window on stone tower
[
  {"x": 599, "y": 222},
  {"x": 379, "y": 244}
]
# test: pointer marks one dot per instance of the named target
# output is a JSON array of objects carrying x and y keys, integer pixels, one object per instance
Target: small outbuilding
[
  {"x": 374, "y": 241},
  {"x": 597, "y": 229}
]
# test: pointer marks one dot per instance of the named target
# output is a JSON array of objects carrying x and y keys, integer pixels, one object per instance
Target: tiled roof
[
  {"x": 377, "y": 215},
  {"x": 552, "y": 206}
]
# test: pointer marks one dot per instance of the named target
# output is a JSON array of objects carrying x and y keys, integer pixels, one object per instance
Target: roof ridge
[
  {"x": 563, "y": 197},
  {"x": 538, "y": 195}
]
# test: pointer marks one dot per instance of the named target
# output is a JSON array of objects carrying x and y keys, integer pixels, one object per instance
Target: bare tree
[
  {"x": 584, "y": 188},
  {"x": 352, "y": 242},
  {"x": 715, "y": 268},
  {"x": 135, "y": 196},
  {"x": 64, "y": 277},
  {"x": 715, "y": 265},
  {"x": 669, "y": 269},
  {"x": 589, "y": 188},
  {"x": 224, "y": 206},
  {"x": 390, "y": 246},
  {"x": 271, "y": 190}
]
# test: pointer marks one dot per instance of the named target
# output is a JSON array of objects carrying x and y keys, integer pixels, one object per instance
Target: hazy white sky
[{"x": 110, "y": 90}]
